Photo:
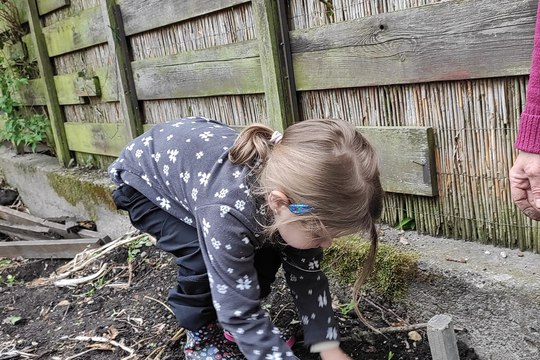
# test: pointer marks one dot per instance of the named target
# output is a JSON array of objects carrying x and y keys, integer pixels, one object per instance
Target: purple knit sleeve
[{"x": 528, "y": 138}]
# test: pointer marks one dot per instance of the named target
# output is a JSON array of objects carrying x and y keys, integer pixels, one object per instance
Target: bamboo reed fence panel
[
  {"x": 220, "y": 28},
  {"x": 75, "y": 7},
  {"x": 475, "y": 123},
  {"x": 235, "y": 110},
  {"x": 305, "y": 14},
  {"x": 227, "y": 26}
]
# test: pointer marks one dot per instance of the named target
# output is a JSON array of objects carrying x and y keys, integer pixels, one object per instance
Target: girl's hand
[{"x": 334, "y": 354}]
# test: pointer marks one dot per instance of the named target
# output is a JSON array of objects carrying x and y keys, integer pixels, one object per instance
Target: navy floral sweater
[{"x": 183, "y": 167}]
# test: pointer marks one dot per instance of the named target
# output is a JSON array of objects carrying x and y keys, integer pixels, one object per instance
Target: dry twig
[
  {"x": 358, "y": 335},
  {"x": 104, "y": 340},
  {"x": 162, "y": 303}
]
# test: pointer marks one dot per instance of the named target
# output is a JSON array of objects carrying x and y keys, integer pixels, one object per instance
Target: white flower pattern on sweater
[{"x": 188, "y": 159}]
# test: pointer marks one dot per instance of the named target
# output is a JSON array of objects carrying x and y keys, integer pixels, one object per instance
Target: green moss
[
  {"x": 75, "y": 191},
  {"x": 393, "y": 273}
]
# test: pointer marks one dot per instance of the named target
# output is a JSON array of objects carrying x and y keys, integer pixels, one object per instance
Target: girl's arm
[
  {"x": 228, "y": 253},
  {"x": 311, "y": 293}
]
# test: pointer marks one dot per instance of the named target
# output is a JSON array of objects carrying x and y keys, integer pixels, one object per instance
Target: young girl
[{"x": 234, "y": 208}]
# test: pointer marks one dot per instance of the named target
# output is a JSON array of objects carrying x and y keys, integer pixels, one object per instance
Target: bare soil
[{"x": 45, "y": 321}]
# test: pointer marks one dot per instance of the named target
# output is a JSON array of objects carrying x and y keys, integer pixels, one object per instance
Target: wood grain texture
[
  {"x": 77, "y": 32},
  {"x": 158, "y": 13},
  {"x": 96, "y": 138},
  {"x": 406, "y": 158},
  {"x": 453, "y": 40},
  {"x": 221, "y": 70}
]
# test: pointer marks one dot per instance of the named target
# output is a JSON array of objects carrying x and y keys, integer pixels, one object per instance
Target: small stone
[
  {"x": 503, "y": 255},
  {"x": 520, "y": 254},
  {"x": 403, "y": 240},
  {"x": 487, "y": 252},
  {"x": 414, "y": 336}
]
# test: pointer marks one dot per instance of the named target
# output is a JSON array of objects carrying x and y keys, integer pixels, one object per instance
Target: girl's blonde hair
[{"x": 323, "y": 163}]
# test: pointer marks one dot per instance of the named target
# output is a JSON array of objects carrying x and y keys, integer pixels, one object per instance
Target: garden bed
[{"x": 125, "y": 305}]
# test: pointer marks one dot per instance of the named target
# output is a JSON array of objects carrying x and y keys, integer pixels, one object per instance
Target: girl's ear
[{"x": 277, "y": 199}]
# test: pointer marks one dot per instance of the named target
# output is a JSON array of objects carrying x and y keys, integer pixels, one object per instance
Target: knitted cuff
[{"x": 528, "y": 138}]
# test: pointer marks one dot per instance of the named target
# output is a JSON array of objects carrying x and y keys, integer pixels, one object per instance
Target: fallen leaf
[
  {"x": 38, "y": 282},
  {"x": 63, "y": 303},
  {"x": 12, "y": 320},
  {"x": 112, "y": 333},
  {"x": 100, "y": 346}
]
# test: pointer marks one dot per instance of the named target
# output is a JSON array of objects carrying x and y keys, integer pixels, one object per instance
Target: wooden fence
[{"x": 437, "y": 86}]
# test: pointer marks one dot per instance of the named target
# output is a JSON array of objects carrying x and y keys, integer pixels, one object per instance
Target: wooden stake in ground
[{"x": 442, "y": 340}]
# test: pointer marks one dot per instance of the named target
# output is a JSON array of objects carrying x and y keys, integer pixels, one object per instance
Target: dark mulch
[{"x": 51, "y": 317}]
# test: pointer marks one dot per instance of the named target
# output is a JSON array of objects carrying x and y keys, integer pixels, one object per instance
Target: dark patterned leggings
[{"x": 190, "y": 300}]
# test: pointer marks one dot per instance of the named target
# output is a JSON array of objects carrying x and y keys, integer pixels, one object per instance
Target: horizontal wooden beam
[
  {"x": 406, "y": 158},
  {"x": 453, "y": 40},
  {"x": 77, "y": 32},
  {"x": 222, "y": 70},
  {"x": 47, "y": 6},
  {"x": 97, "y": 138},
  {"x": 158, "y": 13},
  {"x": 33, "y": 94},
  {"x": 47, "y": 249}
]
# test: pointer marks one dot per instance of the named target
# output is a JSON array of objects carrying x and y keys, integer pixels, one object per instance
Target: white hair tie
[{"x": 276, "y": 137}]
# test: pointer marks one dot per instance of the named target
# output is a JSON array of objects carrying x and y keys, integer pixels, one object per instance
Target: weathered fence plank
[
  {"x": 127, "y": 93},
  {"x": 158, "y": 13},
  {"x": 34, "y": 93},
  {"x": 406, "y": 158},
  {"x": 221, "y": 70},
  {"x": 47, "y": 6},
  {"x": 47, "y": 249},
  {"x": 56, "y": 116},
  {"x": 406, "y": 153},
  {"x": 98, "y": 138},
  {"x": 276, "y": 88},
  {"x": 447, "y": 41},
  {"x": 83, "y": 30}
]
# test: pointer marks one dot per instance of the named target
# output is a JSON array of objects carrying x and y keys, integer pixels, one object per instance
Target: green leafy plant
[
  {"x": 23, "y": 126},
  {"x": 4, "y": 263},
  {"x": 9, "y": 281},
  {"x": 390, "y": 355},
  {"x": 345, "y": 309},
  {"x": 407, "y": 223},
  {"x": 134, "y": 247}
]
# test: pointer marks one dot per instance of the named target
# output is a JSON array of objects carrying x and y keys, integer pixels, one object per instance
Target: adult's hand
[{"x": 525, "y": 184}]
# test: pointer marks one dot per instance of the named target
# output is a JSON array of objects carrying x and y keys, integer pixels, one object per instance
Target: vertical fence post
[
  {"x": 56, "y": 115},
  {"x": 442, "y": 340},
  {"x": 279, "y": 96},
  {"x": 118, "y": 46}
]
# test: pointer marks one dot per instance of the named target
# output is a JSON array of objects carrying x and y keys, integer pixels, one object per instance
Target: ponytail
[
  {"x": 367, "y": 268},
  {"x": 252, "y": 145}
]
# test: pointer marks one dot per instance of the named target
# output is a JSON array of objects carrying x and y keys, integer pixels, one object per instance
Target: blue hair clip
[{"x": 300, "y": 209}]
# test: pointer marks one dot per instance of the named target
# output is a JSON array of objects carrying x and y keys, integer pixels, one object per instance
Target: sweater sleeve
[
  {"x": 311, "y": 293},
  {"x": 528, "y": 138},
  {"x": 228, "y": 252}
]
